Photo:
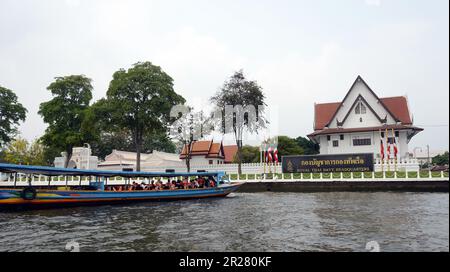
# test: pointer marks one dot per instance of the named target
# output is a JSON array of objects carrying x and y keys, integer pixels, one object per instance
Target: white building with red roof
[
  {"x": 209, "y": 153},
  {"x": 359, "y": 122}
]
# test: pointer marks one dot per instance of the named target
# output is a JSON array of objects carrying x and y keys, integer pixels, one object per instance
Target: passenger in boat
[
  {"x": 151, "y": 185},
  {"x": 185, "y": 183},
  {"x": 158, "y": 185},
  {"x": 167, "y": 185},
  {"x": 179, "y": 184},
  {"x": 201, "y": 182},
  {"x": 212, "y": 183}
]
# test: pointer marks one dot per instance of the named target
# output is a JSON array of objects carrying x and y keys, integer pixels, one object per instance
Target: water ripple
[{"x": 245, "y": 222}]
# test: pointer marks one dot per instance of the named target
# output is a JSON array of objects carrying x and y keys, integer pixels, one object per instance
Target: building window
[
  {"x": 397, "y": 134},
  {"x": 342, "y": 137},
  {"x": 210, "y": 161},
  {"x": 335, "y": 143},
  {"x": 360, "y": 108},
  {"x": 362, "y": 142},
  {"x": 328, "y": 137}
]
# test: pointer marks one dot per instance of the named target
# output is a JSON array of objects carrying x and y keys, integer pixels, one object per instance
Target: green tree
[
  {"x": 66, "y": 113},
  {"x": 240, "y": 95},
  {"x": 16, "y": 152},
  {"x": 140, "y": 100},
  {"x": 250, "y": 154},
  {"x": 11, "y": 113},
  {"x": 288, "y": 146},
  {"x": 441, "y": 159},
  {"x": 309, "y": 147},
  {"x": 19, "y": 151}
]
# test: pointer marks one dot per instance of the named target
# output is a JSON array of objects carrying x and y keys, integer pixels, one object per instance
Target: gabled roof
[
  {"x": 323, "y": 114},
  {"x": 207, "y": 149},
  {"x": 397, "y": 107},
  {"x": 216, "y": 151}
]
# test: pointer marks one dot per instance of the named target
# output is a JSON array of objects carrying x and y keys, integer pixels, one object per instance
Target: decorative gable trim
[
  {"x": 360, "y": 79},
  {"x": 361, "y": 98}
]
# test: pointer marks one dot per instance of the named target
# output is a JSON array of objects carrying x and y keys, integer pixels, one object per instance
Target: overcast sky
[{"x": 300, "y": 52}]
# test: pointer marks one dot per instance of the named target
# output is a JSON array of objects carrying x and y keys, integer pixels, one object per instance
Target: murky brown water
[{"x": 243, "y": 222}]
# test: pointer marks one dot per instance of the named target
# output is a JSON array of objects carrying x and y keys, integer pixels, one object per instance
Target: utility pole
[{"x": 428, "y": 155}]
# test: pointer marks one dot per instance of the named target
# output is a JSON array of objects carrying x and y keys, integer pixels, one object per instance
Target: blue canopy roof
[{"x": 52, "y": 171}]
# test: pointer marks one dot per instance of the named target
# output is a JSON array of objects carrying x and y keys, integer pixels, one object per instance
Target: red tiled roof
[
  {"x": 214, "y": 151},
  {"x": 323, "y": 113},
  {"x": 207, "y": 149},
  {"x": 398, "y": 106},
  {"x": 230, "y": 151},
  {"x": 197, "y": 148}
]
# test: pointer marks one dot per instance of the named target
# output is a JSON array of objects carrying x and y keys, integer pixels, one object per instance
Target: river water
[{"x": 241, "y": 222}]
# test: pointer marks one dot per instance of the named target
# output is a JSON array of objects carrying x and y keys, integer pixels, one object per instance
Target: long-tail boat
[{"x": 98, "y": 191}]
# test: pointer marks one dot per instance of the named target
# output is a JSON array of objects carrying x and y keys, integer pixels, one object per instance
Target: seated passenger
[
  {"x": 212, "y": 183},
  {"x": 201, "y": 183},
  {"x": 185, "y": 184}
]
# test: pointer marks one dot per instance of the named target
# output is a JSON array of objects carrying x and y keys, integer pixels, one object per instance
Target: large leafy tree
[
  {"x": 441, "y": 159},
  {"x": 11, "y": 113},
  {"x": 250, "y": 154},
  {"x": 65, "y": 114},
  {"x": 288, "y": 146},
  {"x": 140, "y": 100},
  {"x": 112, "y": 136},
  {"x": 236, "y": 97},
  {"x": 308, "y": 146},
  {"x": 20, "y": 151}
]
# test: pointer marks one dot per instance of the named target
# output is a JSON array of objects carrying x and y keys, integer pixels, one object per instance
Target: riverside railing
[{"x": 8, "y": 180}]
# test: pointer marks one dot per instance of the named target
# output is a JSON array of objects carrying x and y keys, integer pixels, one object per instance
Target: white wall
[
  {"x": 346, "y": 146},
  {"x": 202, "y": 160}
]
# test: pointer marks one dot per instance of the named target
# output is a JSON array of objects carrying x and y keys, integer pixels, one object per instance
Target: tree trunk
[
  {"x": 138, "y": 141},
  {"x": 188, "y": 157},
  {"x": 239, "y": 156},
  {"x": 69, "y": 152}
]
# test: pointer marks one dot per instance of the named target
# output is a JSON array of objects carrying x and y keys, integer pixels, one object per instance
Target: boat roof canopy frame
[{"x": 52, "y": 171}]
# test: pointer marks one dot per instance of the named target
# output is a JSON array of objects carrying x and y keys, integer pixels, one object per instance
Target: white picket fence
[{"x": 304, "y": 177}]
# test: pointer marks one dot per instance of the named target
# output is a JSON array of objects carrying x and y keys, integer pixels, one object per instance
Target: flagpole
[
  {"x": 388, "y": 148},
  {"x": 264, "y": 159},
  {"x": 381, "y": 151},
  {"x": 395, "y": 153}
]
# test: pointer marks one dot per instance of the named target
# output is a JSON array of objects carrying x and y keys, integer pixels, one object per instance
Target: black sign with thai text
[{"x": 362, "y": 162}]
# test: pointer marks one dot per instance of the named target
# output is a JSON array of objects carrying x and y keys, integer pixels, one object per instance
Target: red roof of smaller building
[
  {"x": 230, "y": 152},
  {"x": 209, "y": 149}
]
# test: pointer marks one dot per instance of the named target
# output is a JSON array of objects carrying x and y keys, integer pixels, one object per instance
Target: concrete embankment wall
[{"x": 346, "y": 186}]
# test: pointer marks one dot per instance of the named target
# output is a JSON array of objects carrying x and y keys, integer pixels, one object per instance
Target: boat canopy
[{"x": 52, "y": 171}]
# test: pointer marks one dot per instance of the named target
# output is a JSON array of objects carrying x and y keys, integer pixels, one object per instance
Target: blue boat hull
[{"x": 13, "y": 199}]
